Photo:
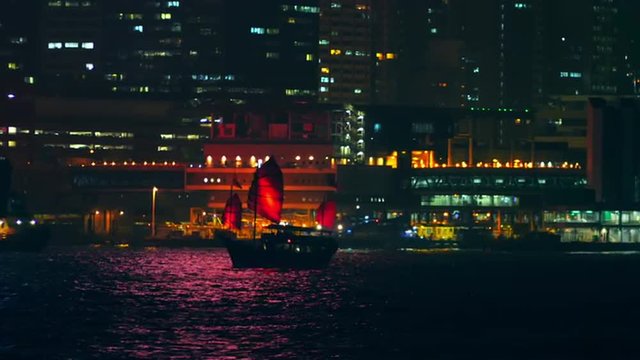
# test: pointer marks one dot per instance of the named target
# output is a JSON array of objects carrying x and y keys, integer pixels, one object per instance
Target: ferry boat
[{"x": 278, "y": 246}]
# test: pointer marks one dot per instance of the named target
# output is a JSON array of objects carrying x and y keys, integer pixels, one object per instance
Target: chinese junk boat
[{"x": 278, "y": 246}]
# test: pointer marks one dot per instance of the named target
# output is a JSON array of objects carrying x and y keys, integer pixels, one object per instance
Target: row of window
[
  {"x": 470, "y": 200},
  {"x": 99, "y": 134},
  {"x": 603, "y": 217},
  {"x": 70, "y": 45},
  {"x": 88, "y": 146},
  {"x": 462, "y": 181},
  {"x": 301, "y": 8},
  {"x": 338, "y": 52},
  {"x": 69, "y": 3}
]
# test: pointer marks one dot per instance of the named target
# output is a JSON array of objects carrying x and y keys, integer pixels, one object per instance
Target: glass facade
[
  {"x": 595, "y": 226},
  {"x": 470, "y": 200}
]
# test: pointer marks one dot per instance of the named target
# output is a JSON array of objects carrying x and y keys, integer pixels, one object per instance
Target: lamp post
[{"x": 153, "y": 211}]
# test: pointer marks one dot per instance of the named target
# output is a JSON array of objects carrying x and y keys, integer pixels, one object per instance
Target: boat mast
[{"x": 255, "y": 205}]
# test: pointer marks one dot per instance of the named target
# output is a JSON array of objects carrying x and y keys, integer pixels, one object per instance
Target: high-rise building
[
  {"x": 519, "y": 52},
  {"x": 201, "y": 50},
  {"x": 580, "y": 53},
  {"x": 272, "y": 50},
  {"x": 345, "y": 52},
  {"x": 613, "y": 160},
  {"x": 18, "y": 45},
  {"x": 419, "y": 58},
  {"x": 71, "y": 46},
  {"x": 144, "y": 52}
]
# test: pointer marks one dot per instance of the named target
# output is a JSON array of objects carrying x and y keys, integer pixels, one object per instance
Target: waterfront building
[{"x": 299, "y": 138}]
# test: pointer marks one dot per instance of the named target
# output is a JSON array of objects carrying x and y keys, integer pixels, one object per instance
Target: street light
[{"x": 153, "y": 211}]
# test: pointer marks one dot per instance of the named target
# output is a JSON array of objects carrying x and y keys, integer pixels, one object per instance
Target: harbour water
[{"x": 110, "y": 303}]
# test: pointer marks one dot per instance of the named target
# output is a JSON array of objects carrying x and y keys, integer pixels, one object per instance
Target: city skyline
[{"x": 494, "y": 53}]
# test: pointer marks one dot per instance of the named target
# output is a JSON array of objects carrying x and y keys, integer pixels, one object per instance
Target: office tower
[
  {"x": 345, "y": 52},
  {"x": 18, "y": 46},
  {"x": 418, "y": 55},
  {"x": 271, "y": 50},
  {"x": 200, "y": 50},
  {"x": 70, "y": 46}
]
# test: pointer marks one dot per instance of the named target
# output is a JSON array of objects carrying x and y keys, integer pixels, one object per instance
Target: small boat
[
  {"x": 278, "y": 246},
  {"x": 19, "y": 231},
  {"x": 22, "y": 233}
]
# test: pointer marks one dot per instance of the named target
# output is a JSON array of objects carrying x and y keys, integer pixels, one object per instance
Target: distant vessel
[
  {"x": 279, "y": 246},
  {"x": 19, "y": 230}
]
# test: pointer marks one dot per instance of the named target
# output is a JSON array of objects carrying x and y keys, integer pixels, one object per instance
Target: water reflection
[
  {"x": 102, "y": 303},
  {"x": 192, "y": 302}
]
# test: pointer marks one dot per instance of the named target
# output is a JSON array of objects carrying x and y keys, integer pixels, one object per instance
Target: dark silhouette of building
[{"x": 613, "y": 151}]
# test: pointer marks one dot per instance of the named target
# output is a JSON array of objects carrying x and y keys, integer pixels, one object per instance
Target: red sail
[
  {"x": 326, "y": 214},
  {"x": 267, "y": 191},
  {"x": 232, "y": 217}
]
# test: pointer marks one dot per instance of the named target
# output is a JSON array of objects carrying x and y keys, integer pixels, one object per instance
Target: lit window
[
  {"x": 173, "y": 3},
  {"x": 89, "y": 66},
  {"x": 324, "y": 89},
  {"x": 18, "y": 40},
  {"x": 138, "y": 28},
  {"x": 309, "y": 57},
  {"x": 357, "y": 91},
  {"x": 325, "y": 70},
  {"x": 55, "y": 45},
  {"x": 87, "y": 45},
  {"x": 256, "y": 30},
  {"x": 164, "y": 16},
  {"x": 78, "y": 146}
]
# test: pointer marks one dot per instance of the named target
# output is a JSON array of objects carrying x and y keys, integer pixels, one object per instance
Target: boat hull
[
  {"x": 29, "y": 240},
  {"x": 281, "y": 253}
]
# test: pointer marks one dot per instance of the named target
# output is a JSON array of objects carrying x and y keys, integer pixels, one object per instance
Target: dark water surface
[{"x": 87, "y": 303}]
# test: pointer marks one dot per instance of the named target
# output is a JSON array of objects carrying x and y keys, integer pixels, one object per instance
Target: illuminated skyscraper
[
  {"x": 200, "y": 50},
  {"x": 345, "y": 52},
  {"x": 18, "y": 43}
]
